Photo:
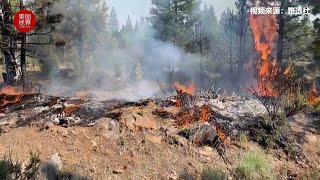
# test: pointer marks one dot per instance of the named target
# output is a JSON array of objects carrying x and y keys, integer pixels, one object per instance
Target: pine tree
[
  {"x": 129, "y": 26},
  {"x": 210, "y": 23},
  {"x": 126, "y": 34},
  {"x": 113, "y": 22},
  {"x": 174, "y": 20},
  {"x": 83, "y": 28},
  {"x": 36, "y": 42}
]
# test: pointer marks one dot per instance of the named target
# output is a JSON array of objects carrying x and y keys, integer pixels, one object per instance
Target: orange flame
[
  {"x": 69, "y": 110},
  {"x": 183, "y": 89},
  {"x": 9, "y": 90},
  {"x": 10, "y": 100},
  {"x": 288, "y": 70},
  {"x": 205, "y": 113},
  {"x": 222, "y": 136},
  {"x": 264, "y": 30},
  {"x": 313, "y": 94},
  {"x": 196, "y": 114},
  {"x": 81, "y": 94},
  {"x": 11, "y": 95}
]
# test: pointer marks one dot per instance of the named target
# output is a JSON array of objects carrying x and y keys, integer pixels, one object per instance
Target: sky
[{"x": 139, "y": 8}]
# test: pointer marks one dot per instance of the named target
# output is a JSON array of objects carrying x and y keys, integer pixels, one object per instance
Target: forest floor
[
  {"x": 145, "y": 148},
  {"x": 140, "y": 144}
]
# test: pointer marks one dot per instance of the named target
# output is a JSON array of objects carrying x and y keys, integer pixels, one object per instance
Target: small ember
[{"x": 70, "y": 110}]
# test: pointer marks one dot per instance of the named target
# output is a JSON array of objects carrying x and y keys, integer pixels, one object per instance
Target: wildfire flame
[
  {"x": 81, "y": 94},
  {"x": 186, "y": 118},
  {"x": 183, "y": 89},
  {"x": 205, "y": 113},
  {"x": 264, "y": 30},
  {"x": 313, "y": 95},
  {"x": 11, "y": 95},
  {"x": 196, "y": 114},
  {"x": 223, "y": 137},
  {"x": 288, "y": 70},
  {"x": 9, "y": 90},
  {"x": 69, "y": 110}
]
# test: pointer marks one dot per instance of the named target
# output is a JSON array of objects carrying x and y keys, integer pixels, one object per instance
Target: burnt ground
[{"x": 136, "y": 140}]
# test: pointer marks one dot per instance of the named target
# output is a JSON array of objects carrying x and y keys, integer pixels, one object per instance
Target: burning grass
[{"x": 11, "y": 95}]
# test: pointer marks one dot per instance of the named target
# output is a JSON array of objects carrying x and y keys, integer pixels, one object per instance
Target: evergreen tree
[
  {"x": 210, "y": 23},
  {"x": 36, "y": 43},
  {"x": 83, "y": 29},
  {"x": 129, "y": 26},
  {"x": 126, "y": 33},
  {"x": 174, "y": 20},
  {"x": 113, "y": 22}
]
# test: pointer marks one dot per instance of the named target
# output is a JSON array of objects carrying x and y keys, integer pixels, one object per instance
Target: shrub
[
  {"x": 311, "y": 174},
  {"x": 253, "y": 165},
  {"x": 14, "y": 170},
  {"x": 210, "y": 174},
  {"x": 71, "y": 176},
  {"x": 243, "y": 138},
  {"x": 10, "y": 169},
  {"x": 185, "y": 175}
]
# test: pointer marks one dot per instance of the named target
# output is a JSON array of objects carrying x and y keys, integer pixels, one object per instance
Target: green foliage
[
  {"x": 10, "y": 169},
  {"x": 210, "y": 174},
  {"x": 14, "y": 170},
  {"x": 272, "y": 132},
  {"x": 253, "y": 165},
  {"x": 315, "y": 105},
  {"x": 244, "y": 139},
  {"x": 113, "y": 22},
  {"x": 174, "y": 20},
  {"x": 82, "y": 30}
]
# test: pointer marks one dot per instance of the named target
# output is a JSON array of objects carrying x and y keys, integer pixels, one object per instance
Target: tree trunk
[
  {"x": 281, "y": 24},
  {"x": 80, "y": 45},
  {"x": 201, "y": 66},
  {"x": 230, "y": 49},
  {"x": 23, "y": 62}
]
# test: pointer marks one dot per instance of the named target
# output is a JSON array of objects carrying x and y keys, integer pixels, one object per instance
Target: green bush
[
  {"x": 253, "y": 165},
  {"x": 244, "y": 139},
  {"x": 14, "y": 170},
  {"x": 213, "y": 174},
  {"x": 10, "y": 169}
]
